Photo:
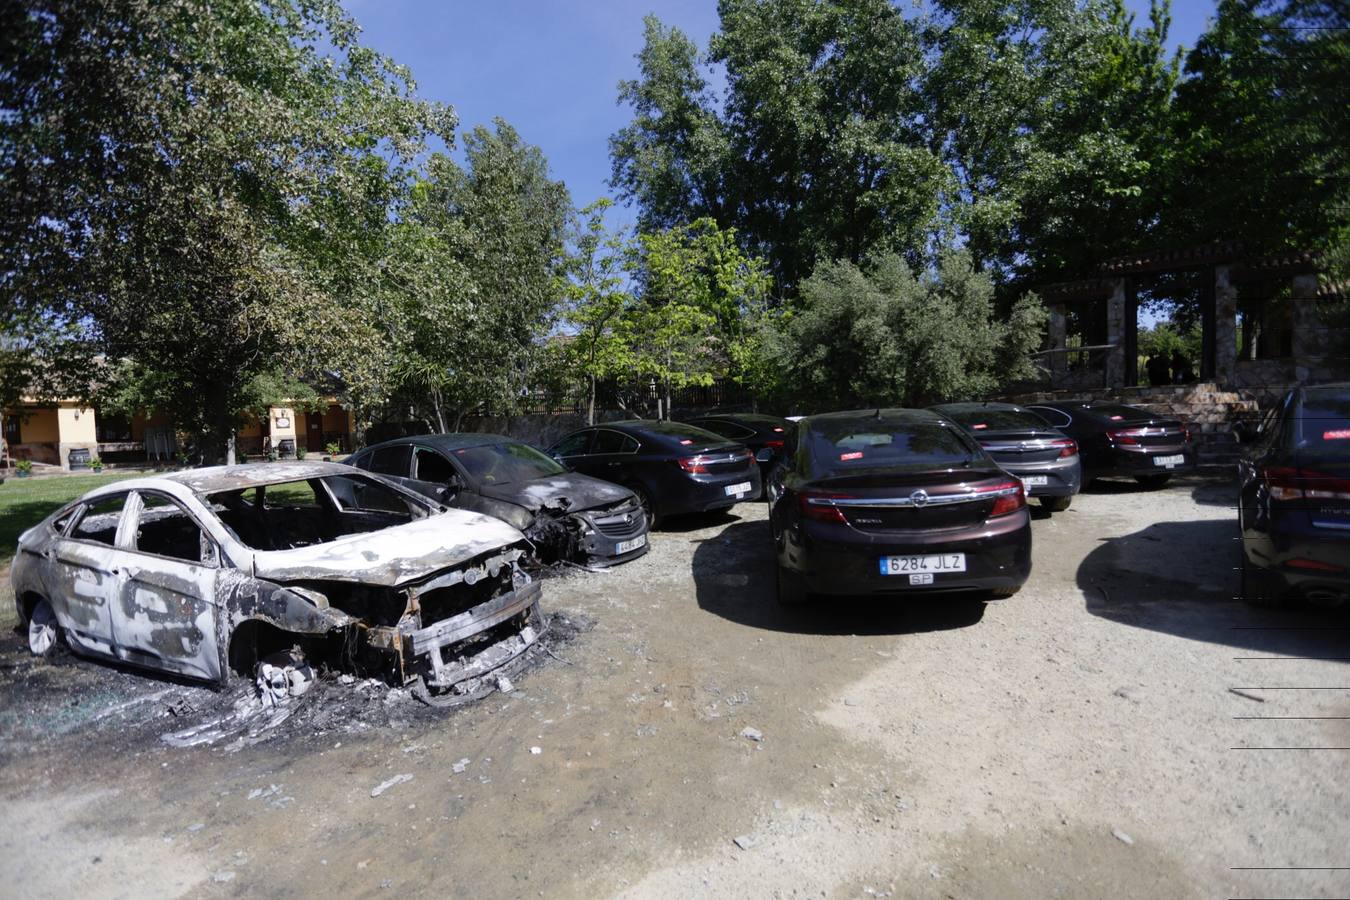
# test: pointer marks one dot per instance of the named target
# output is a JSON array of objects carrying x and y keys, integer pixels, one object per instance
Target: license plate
[
  {"x": 923, "y": 565},
  {"x": 737, "y": 489},
  {"x": 625, "y": 546},
  {"x": 1169, "y": 461},
  {"x": 1035, "y": 480}
]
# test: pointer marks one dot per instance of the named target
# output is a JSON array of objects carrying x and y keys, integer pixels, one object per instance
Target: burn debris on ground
[{"x": 64, "y": 696}]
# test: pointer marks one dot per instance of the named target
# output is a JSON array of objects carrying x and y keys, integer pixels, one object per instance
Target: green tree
[
  {"x": 205, "y": 186},
  {"x": 880, "y": 336},
  {"x": 478, "y": 261},
  {"x": 599, "y": 304}
]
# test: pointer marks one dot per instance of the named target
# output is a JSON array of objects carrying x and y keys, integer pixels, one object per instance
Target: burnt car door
[
  {"x": 167, "y": 607},
  {"x": 435, "y": 476},
  {"x": 84, "y": 573},
  {"x": 461, "y": 486}
]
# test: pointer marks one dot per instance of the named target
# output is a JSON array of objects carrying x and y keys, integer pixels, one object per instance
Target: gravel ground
[{"x": 686, "y": 737}]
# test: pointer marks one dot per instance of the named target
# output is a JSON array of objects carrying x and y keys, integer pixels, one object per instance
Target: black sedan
[
  {"x": 1023, "y": 444},
  {"x": 672, "y": 467},
  {"x": 565, "y": 515},
  {"x": 1294, "y": 510},
  {"x": 755, "y": 430},
  {"x": 1115, "y": 439},
  {"x": 894, "y": 501}
]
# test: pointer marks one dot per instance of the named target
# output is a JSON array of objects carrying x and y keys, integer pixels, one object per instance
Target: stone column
[
  {"x": 1304, "y": 322},
  {"x": 1225, "y": 325},
  {"x": 1115, "y": 335},
  {"x": 1056, "y": 334}
]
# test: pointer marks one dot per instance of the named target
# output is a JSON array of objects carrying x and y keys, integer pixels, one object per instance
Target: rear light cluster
[
  {"x": 774, "y": 445},
  {"x": 1128, "y": 437},
  {"x": 1067, "y": 447},
  {"x": 816, "y": 505},
  {"x": 1012, "y": 496},
  {"x": 1287, "y": 483},
  {"x": 702, "y": 464},
  {"x": 1008, "y": 496}
]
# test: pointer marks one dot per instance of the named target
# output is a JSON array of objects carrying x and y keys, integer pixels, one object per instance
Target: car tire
[
  {"x": 1056, "y": 504},
  {"x": 791, "y": 591},
  {"x": 1004, "y": 593},
  {"x": 645, "y": 501},
  {"x": 43, "y": 630},
  {"x": 1153, "y": 481}
]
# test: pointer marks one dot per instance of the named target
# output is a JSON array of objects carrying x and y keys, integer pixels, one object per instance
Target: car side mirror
[{"x": 764, "y": 455}]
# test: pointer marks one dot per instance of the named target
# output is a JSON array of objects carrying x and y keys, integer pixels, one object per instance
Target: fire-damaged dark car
[
  {"x": 894, "y": 501},
  {"x": 566, "y": 515},
  {"x": 208, "y": 572}
]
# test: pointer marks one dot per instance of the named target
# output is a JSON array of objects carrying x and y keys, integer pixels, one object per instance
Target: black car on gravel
[
  {"x": 756, "y": 431},
  {"x": 1294, "y": 506},
  {"x": 566, "y": 516},
  {"x": 672, "y": 467},
  {"x": 1046, "y": 460},
  {"x": 1119, "y": 440},
  {"x": 894, "y": 501}
]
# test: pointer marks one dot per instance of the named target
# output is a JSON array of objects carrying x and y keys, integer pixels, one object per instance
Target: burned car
[
  {"x": 208, "y": 572},
  {"x": 566, "y": 515}
]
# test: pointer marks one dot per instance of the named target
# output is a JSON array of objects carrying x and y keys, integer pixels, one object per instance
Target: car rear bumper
[
  {"x": 1063, "y": 477},
  {"x": 998, "y": 557},
  {"x": 704, "y": 493},
  {"x": 1300, "y": 560},
  {"x": 1117, "y": 461}
]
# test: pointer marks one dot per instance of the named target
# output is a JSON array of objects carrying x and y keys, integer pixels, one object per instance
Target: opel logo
[
  {"x": 628, "y": 519},
  {"x": 919, "y": 498}
]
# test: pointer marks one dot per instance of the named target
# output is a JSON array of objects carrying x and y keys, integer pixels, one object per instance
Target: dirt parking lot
[{"x": 684, "y": 736}]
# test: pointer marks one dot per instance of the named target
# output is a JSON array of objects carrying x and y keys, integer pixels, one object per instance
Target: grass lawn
[{"x": 23, "y": 503}]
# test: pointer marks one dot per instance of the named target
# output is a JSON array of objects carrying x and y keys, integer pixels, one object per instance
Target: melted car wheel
[
  {"x": 645, "y": 501},
  {"x": 43, "y": 631}
]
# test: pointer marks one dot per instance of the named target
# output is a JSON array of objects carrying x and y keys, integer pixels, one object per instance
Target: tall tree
[
  {"x": 205, "y": 186},
  {"x": 599, "y": 303}
]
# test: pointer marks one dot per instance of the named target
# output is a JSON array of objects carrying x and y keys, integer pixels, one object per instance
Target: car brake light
[
  {"x": 1315, "y": 565},
  {"x": 819, "y": 506},
  {"x": 1067, "y": 447},
  {"x": 774, "y": 445},
  {"x": 1186, "y": 432},
  {"x": 1287, "y": 483},
  {"x": 694, "y": 465},
  {"x": 1127, "y": 436},
  {"x": 1009, "y": 502}
]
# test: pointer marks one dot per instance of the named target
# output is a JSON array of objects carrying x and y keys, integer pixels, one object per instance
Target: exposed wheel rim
[
  {"x": 42, "y": 629},
  {"x": 646, "y": 503}
]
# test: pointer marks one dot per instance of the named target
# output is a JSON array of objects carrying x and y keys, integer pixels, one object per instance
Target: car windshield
[
  {"x": 1325, "y": 425},
  {"x": 506, "y": 463},
  {"x": 837, "y": 448},
  {"x": 982, "y": 419}
]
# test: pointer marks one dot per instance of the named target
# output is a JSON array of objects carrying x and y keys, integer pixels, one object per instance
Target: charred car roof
[{"x": 457, "y": 441}]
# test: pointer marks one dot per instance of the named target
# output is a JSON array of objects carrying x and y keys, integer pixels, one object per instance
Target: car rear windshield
[
  {"x": 1116, "y": 412},
  {"x": 1325, "y": 424},
  {"x": 843, "y": 447},
  {"x": 507, "y": 463},
  {"x": 682, "y": 434},
  {"x": 997, "y": 419}
]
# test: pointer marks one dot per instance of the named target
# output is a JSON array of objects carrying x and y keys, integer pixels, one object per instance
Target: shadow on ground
[
  {"x": 734, "y": 578},
  {"x": 1180, "y": 578}
]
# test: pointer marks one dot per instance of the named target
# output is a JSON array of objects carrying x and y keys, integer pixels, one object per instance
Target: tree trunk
[
  {"x": 440, "y": 411},
  {"x": 590, "y": 406},
  {"x": 229, "y": 448}
]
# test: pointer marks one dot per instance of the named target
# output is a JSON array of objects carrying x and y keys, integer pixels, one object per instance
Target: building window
[
  {"x": 11, "y": 429},
  {"x": 113, "y": 429}
]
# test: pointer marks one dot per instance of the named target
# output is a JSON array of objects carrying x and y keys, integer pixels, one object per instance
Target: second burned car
[{"x": 566, "y": 515}]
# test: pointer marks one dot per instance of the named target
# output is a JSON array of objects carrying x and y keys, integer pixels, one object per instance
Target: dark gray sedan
[
  {"x": 566, "y": 515},
  {"x": 1024, "y": 445}
]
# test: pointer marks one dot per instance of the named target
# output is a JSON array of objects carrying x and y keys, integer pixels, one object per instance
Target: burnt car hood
[
  {"x": 391, "y": 557},
  {"x": 580, "y": 491}
]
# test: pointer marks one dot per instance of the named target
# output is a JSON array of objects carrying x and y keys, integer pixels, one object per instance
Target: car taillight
[
  {"x": 1287, "y": 483},
  {"x": 819, "y": 506},
  {"x": 1011, "y": 498},
  {"x": 1315, "y": 565},
  {"x": 1186, "y": 432},
  {"x": 1127, "y": 436},
  {"x": 695, "y": 465},
  {"x": 774, "y": 445},
  {"x": 1067, "y": 447}
]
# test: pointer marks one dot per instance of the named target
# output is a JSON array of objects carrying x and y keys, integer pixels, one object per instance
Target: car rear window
[
  {"x": 996, "y": 419},
  {"x": 1325, "y": 424},
  {"x": 1116, "y": 412},
  {"x": 682, "y": 434},
  {"x": 839, "y": 448}
]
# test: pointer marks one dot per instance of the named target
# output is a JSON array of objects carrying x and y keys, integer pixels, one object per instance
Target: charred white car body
[{"x": 204, "y": 572}]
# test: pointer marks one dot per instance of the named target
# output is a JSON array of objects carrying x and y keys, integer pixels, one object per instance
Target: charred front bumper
[
  {"x": 611, "y": 537},
  {"x": 473, "y": 643}
]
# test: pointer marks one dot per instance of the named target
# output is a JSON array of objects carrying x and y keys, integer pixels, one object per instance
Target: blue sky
[{"x": 551, "y": 68}]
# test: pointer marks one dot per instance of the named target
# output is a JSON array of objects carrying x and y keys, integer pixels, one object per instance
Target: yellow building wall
[
  {"x": 250, "y": 429},
  {"x": 335, "y": 418},
  {"x": 77, "y": 425},
  {"x": 39, "y": 426}
]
